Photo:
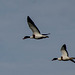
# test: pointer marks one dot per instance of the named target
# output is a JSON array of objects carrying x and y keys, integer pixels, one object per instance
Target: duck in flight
[
  {"x": 65, "y": 55},
  {"x": 35, "y": 30}
]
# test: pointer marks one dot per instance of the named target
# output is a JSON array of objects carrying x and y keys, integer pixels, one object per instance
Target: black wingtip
[
  {"x": 29, "y": 20},
  {"x": 64, "y": 45},
  {"x": 28, "y": 17}
]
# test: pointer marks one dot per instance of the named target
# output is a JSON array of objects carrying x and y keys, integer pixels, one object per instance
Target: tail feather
[{"x": 73, "y": 57}]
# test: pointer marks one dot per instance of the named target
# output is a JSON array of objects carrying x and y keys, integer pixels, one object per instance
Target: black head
[
  {"x": 54, "y": 59},
  {"x": 26, "y": 37}
]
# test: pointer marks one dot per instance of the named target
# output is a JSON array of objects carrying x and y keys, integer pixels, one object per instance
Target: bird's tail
[{"x": 72, "y": 57}]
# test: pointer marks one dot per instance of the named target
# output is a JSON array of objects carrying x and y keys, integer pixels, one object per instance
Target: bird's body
[
  {"x": 35, "y": 30},
  {"x": 65, "y": 55},
  {"x": 63, "y": 59}
]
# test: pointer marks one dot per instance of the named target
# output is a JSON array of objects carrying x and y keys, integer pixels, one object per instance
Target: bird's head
[
  {"x": 26, "y": 37},
  {"x": 54, "y": 59}
]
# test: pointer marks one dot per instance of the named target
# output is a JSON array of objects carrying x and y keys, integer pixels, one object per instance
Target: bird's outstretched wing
[
  {"x": 64, "y": 51},
  {"x": 32, "y": 26},
  {"x": 72, "y": 60}
]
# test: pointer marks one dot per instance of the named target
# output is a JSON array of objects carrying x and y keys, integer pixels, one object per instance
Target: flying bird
[
  {"x": 35, "y": 30},
  {"x": 65, "y": 55}
]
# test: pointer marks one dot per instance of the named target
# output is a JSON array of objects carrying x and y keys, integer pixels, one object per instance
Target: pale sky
[{"x": 33, "y": 57}]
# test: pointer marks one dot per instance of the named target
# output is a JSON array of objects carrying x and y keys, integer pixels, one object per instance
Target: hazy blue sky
[{"x": 33, "y": 57}]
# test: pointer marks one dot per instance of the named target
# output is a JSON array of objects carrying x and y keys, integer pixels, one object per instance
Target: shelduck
[
  {"x": 35, "y": 30},
  {"x": 65, "y": 55}
]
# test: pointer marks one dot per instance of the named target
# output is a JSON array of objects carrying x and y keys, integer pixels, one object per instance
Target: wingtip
[
  {"x": 49, "y": 33},
  {"x": 29, "y": 20},
  {"x": 64, "y": 45},
  {"x": 28, "y": 17}
]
